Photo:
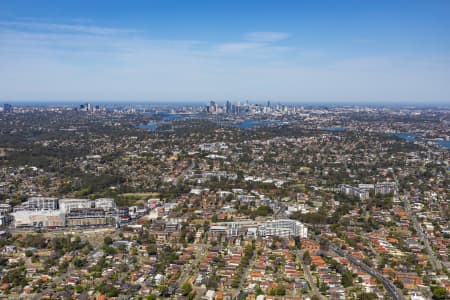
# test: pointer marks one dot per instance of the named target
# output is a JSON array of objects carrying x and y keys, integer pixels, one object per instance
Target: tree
[
  {"x": 152, "y": 249},
  {"x": 79, "y": 262},
  {"x": 439, "y": 292},
  {"x": 235, "y": 282},
  {"x": 263, "y": 210},
  {"x": 186, "y": 288},
  {"x": 3, "y": 261},
  {"x": 259, "y": 291},
  {"x": 107, "y": 240},
  {"x": 211, "y": 283},
  {"x": 111, "y": 291},
  {"x": 367, "y": 296},
  {"x": 324, "y": 246},
  {"x": 307, "y": 258},
  {"x": 109, "y": 250},
  {"x": 347, "y": 279},
  {"x": 78, "y": 289},
  {"x": 280, "y": 290},
  {"x": 399, "y": 284},
  {"x": 16, "y": 277},
  {"x": 214, "y": 218}
]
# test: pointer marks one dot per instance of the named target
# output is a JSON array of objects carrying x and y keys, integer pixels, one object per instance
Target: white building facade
[{"x": 284, "y": 228}]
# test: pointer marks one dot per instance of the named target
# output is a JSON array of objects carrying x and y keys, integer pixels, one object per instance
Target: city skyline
[{"x": 345, "y": 53}]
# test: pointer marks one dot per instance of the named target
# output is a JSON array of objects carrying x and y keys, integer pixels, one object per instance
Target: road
[
  {"x": 281, "y": 212},
  {"x": 244, "y": 276},
  {"x": 55, "y": 280},
  {"x": 201, "y": 252},
  {"x": 395, "y": 293},
  {"x": 436, "y": 264},
  {"x": 389, "y": 286},
  {"x": 309, "y": 277}
]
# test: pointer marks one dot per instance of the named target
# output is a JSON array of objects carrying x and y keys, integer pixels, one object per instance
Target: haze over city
[{"x": 315, "y": 52}]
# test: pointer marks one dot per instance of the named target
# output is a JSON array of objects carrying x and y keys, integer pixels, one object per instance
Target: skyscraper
[
  {"x": 228, "y": 107},
  {"x": 212, "y": 107},
  {"x": 7, "y": 108}
]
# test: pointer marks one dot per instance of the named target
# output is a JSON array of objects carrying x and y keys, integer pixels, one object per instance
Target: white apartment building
[
  {"x": 65, "y": 205},
  {"x": 283, "y": 228},
  {"x": 105, "y": 203},
  {"x": 41, "y": 203}
]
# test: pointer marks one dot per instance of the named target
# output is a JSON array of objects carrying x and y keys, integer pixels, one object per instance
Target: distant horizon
[{"x": 204, "y": 103}]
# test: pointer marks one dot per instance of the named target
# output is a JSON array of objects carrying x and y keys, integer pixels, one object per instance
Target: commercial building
[
  {"x": 86, "y": 217},
  {"x": 7, "y": 108},
  {"x": 39, "y": 218},
  {"x": 66, "y": 205},
  {"x": 228, "y": 107},
  {"x": 42, "y": 203},
  {"x": 5, "y": 218},
  {"x": 54, "y": 212},
  {"x": 122, "y": 214},
  {"x": 5, "y": 208},
  {"x": 105, "y": 203}
]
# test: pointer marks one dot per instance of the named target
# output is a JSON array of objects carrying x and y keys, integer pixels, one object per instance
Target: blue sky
[{"x": 288, "y": 51}]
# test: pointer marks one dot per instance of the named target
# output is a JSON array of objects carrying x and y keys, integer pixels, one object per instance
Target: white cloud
[
  {"x": 237, "y": 47},
  {"x": 68, "y": 28},
  {"x": 266, "y": 36}
]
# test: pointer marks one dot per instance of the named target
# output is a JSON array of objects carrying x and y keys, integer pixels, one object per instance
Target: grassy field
[
  {"x": 128, "y": 199},
  {"x": 140, "y": 195}
]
